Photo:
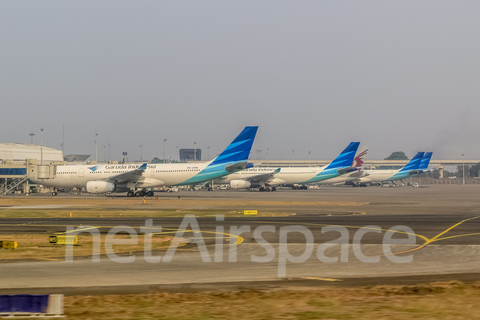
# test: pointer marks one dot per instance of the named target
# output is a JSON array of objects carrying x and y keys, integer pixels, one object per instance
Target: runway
[{"x": 446, "y": 246}]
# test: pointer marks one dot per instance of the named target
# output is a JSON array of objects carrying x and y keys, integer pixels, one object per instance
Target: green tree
[
  {"x": 156, "y": 160},
  {"x": 397, "y": 155},
  {"x": 474, "y": 170}
]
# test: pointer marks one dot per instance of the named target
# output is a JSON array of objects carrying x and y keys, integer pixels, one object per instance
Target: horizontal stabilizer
[
  {"x": 346, "y": 170},
  {"x": 359, "y": 174},
  {"x": 236, "y": 166}
]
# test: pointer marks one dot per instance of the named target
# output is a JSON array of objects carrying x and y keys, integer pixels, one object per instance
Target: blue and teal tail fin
[
  {"x": 425, "y": 161},
  {"x": 345, "y": 158},
  {"x": 414, "y": 163},
  {"x": 239, "y": 149}
]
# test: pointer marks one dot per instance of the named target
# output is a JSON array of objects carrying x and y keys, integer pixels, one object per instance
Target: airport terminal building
[{"x": 19, "y": 152}]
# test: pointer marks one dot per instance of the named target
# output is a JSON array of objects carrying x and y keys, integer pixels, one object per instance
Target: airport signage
[
  {"x": 63, "y": 239},
  {"x": 8, "y": 244},
  {"x": 250, "y": 212}
]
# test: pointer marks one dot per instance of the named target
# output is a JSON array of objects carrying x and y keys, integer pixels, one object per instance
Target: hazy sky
[{"x": 313, "y": 75}]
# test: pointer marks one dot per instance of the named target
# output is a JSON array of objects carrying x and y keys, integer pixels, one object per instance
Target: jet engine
[
  {"x": 240, "y": 184},
  {"x": 100, "y": 187}
]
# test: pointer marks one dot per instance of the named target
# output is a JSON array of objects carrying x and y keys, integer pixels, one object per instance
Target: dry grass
[
  {"x": 122, "y": 212},
  {"x": 92, "y": 207},
  {"x": 37, "y": 246},
  {"x": 435, "y": 301}
]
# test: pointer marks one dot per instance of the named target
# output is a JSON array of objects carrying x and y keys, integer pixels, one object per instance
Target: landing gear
[
  {"x": 139, "y": 194},
  {"x": 261, "y": 189},
  {"x": 150, "y": 194},
  {"x": 54, "y": 194},
  {"x": 274, "y": 189},
  {"x": 267, "y": 189},
  {"x": 130, "y": 194},
  {"x": 210, "y": 189}
]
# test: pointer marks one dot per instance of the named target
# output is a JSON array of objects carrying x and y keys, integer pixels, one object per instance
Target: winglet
[
  {"x": 239, "y": 149},
  {"x": 143, "y": 167},
  {"x": 345, "y": 158},
  {"x": 277, "y": 171}
]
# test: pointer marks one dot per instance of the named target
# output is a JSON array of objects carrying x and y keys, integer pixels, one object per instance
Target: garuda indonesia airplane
[
  {"x": 268, "y": 178},
  {"x": 135, "y": 179},
  {"x": 410, "y": 169}
]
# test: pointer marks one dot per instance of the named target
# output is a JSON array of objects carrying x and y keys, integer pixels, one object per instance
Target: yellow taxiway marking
[
  {"x": 241, "y": 239},
  {"x": 356, "y": 227},
  {"x": 226, "y": 235},
  {"x": 321, "y": 279},
  {"x": 436, "y": 238}
]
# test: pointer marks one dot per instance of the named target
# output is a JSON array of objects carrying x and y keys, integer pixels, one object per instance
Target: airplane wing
[
  {"x": 264, "y": 176},
  {"x": 132, "y": 176}
]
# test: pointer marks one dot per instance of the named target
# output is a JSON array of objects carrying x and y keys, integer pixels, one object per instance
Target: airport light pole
[
  {"x": 309, "y": 152},
  {"x": 31, "y": 137},
  {"x": 195, "y": 151},
  {"x": 96, "y": 150},
  {"x": 104, "y": 154},
  {"x": 463, "y": 170},
  {"x": 41, "y": 145},
  {"x": 178, "y": 155},
  {"x": 208, "y": 153},
  {"x": 258, "y": 151},
  {"x": 141, "y": 158},
  {"x": 63, "y": 139},
  {"x": 108, "y": 144},
  {"x": 267, "y": 154},
  {"x": 164, "y": 140}
]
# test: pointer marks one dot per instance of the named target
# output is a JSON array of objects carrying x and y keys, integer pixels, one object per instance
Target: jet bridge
[{"x": 14, "y": 174}]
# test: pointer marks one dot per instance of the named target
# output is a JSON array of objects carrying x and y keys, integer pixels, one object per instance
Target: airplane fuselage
[{"x": 171, "y": 174}]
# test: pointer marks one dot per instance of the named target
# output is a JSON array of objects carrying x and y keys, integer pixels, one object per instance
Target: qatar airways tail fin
[{"x": 360, "y": 158}]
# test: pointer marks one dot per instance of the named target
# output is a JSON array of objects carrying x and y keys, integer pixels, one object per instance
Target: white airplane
[
  {"x": 135, "y": 178},
  {"x": 380, "y": 176},
  {"x": 268, "y": 178}
]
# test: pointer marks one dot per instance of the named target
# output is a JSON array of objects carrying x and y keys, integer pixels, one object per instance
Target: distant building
[
  {"x": 21, "y": 152},
  {"x": 190, "y": 154}
]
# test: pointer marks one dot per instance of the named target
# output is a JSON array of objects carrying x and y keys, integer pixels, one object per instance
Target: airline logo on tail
[
  {"x": 345, "y": 159},
  {"x": 341, "y": 165},
  {"x": 233, "y": 158},
  {"x": 360, "y": 158},
  {"x": 414, "y": 163},
  {"x": 239, "y": 149},
  {"x": 425, "y": 161}
]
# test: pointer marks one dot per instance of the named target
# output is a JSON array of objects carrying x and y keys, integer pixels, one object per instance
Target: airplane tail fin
[
  {"x": 425, "y": 161},
  {"x": 360, "y": 158},
  {"x": 239, "y": 149},
  {"x": 414, "y": 163},
  {"x": 345, "y": 158}
]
